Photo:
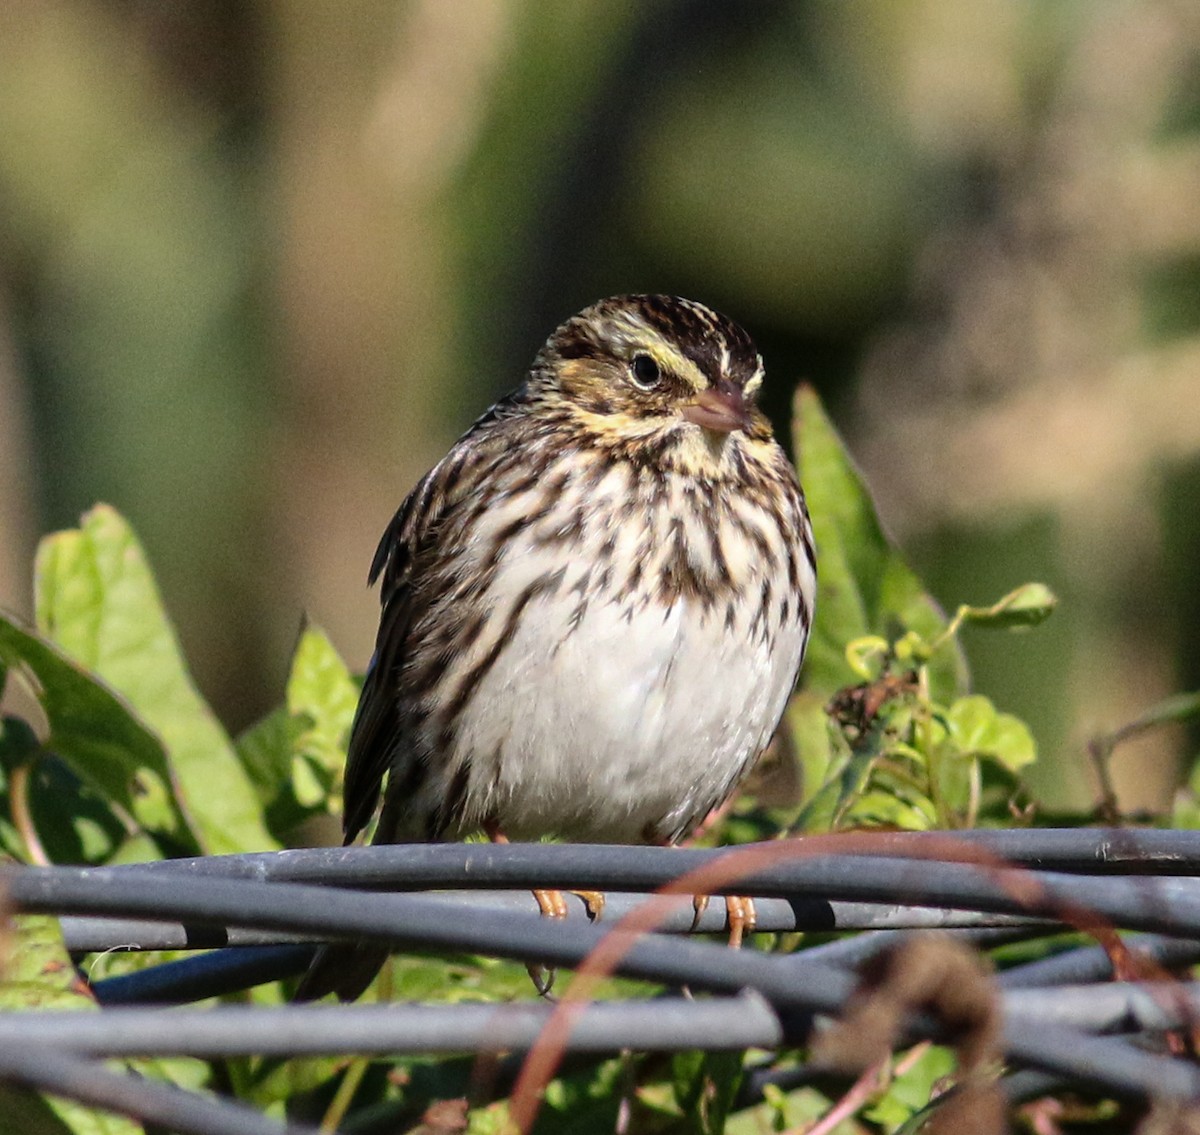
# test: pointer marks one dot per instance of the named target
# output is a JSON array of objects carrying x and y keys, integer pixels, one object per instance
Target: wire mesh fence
[{"x": 1098, "y": 1018}]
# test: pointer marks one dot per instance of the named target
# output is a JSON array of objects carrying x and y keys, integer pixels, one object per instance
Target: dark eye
[{"x": 645, "y": 372}]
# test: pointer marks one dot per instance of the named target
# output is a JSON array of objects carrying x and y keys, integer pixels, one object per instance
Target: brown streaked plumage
[{"x": 593, "y": 608}]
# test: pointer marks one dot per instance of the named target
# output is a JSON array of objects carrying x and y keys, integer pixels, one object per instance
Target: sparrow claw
[
  {"x": 542, "y": 977},
  {"x": 594, "y": 901},
  {"x": 551, "y": 903},
  {"x": 740, "y": 915}
]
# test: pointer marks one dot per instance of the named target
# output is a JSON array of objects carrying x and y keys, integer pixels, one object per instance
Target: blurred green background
[{"x": 261, "y": 262}]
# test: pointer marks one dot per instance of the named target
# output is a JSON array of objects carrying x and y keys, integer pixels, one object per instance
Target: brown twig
[
  {"x": 1100, "y": 751},
  {"x": 18, "y": 795},
  {"x": 869, "y": 1084}
]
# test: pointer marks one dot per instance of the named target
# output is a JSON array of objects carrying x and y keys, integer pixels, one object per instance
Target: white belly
[{"x": 627, "y": 726}]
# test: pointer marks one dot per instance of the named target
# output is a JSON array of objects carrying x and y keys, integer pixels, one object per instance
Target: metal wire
[
  {"x": 407, "y": 920},
  {"x": 1110, "y": 1007},
  {"x": 666, "y": 1023},
  {"x": 719, "y": 1024},
  {"x": 1092, "y": 963},
  {"x": 203, "y": 976},
  {"x": 1169, "y": 905},
  {"x": 887, "y": 880},
  {"x": 224, "y": 971},
  {"x": 61, "y": 1073},
  {"x": 94, "y": 935},
  {"x": 624, "y": 868}
]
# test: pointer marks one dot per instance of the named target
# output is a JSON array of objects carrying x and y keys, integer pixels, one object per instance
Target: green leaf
[
  {"x": 97, "y": 734},
  {"x": 39, "y": 975},
  {"x": 864, "y": 587},
  {"x": 781, "y": 1111},
  {"x": 74, "y": 822},
  {"x": 321, "y": 688},
  {"x": 1027, "y": 606},
  {"x": 96, "y": 597},
  {"x": 911, "y": 1091},
  {"x": 310, "y": 790},
  {"x": 705, "y": 1085},
  {"x": 808, "y": 725},
  {"x": 295, "y": 755},
  {"x": 583, "y": 1103},
  {"x": 976, "y": 727},
  {"x": 883, "y": 809},
  {"x": 265, "y": 750},
  {"x": 26, "y": 1112}
]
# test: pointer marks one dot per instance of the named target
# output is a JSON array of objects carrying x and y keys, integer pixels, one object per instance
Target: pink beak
[{"x": 721, "y": 409}]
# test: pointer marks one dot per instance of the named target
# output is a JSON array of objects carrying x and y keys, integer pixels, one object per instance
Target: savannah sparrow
[{"x": 594, "y": 607}]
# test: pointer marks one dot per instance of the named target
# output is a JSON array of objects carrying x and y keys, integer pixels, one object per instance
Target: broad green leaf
[
  {"x": 71, "y": 821},
  {"x": 295, "y": 755},
  {"x": 27, "y": 1113},
  {"x": 954, "y": 775},
  {"x": 96, "y": 598},
  {"x": 267, "y": 751},
  {"x": 74, "y": 822},
  {"x": 705, "y": 1085},
  {"x": 321, "y": 688},
  {"x": 878, "y": 808},
  {"x": 864, "y": 585},
  {"x": 38, "y": 974},
  {"x": 490, "y": 1120},
  {"x": 848, "y": 778},
  {"x": 808, "y": 725},
  {"x": 976, "y": 727},
  {"x": 97, "y": 734},
  {"x": 821, "y": 810},
  {"x": 585, "y": 1102},
  {"x": 308, "y": 786},
  {"x": 797, "y": 1110}
]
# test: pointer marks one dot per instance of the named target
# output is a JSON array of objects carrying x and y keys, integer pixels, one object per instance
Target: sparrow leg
[
  {"x": 740, "y": 916},
  {"x": 552, "y": 904}
]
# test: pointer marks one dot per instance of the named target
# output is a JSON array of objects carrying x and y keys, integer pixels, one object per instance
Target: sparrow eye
[{"x": 645, "y": 372}]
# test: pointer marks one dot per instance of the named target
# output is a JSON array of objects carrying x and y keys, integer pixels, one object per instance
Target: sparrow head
[{"x": 666, "y": 374}]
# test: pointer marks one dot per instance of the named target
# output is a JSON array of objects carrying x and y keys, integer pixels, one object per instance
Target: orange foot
[
  {"x": 552, "y": 904},
  {"x": 740, "y": 916}
]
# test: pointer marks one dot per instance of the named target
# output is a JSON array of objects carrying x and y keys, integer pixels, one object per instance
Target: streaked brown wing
[
  {"x": 375, "y": 732},
  {"x": 409, "y": 545}
]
